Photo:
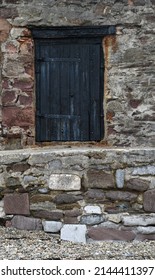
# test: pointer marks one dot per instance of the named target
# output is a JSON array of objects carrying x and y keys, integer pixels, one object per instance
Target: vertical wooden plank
[
  {"x": 84, "y": 92},
  {"x": 95, "y": 92}
]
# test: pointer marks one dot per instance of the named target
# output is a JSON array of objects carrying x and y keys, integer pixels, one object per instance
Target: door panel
[{"x": 69, "y": 84}]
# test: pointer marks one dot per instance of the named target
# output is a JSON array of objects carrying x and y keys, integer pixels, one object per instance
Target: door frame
[{"x": 41, "y": 33}]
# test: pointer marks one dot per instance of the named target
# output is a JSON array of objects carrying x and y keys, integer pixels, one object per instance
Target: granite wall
[{"x": 129, "y": 77}]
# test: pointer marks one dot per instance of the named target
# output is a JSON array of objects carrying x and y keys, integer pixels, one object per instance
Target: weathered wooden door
[{"x": 69, "y": 86}]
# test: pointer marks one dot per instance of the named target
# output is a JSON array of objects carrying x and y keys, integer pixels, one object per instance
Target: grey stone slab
[
  {"x": 66, "y": 198},
  {"x": 92, "y": 219},
  {"x": 149, "y": 201},
  {"x": 121, "y": 195},
  {"x": 26, "y": 223},
  {"x": 137, "y": 184},
  {"x": 74, "y": 232},
  {"x": 138, "y": 220},
  {"x": 146, "y": 230},
  {"x": 95, "y": 194},
  {"x": 144, "y": 170}
]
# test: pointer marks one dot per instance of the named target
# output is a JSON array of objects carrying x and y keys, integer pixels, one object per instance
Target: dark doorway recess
[{"x": 69, "y": 83}]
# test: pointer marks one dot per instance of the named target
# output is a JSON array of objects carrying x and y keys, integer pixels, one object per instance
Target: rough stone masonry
[{"x": 106, "y": 190}]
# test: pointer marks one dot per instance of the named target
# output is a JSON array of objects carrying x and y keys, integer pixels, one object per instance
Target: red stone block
[
  {"x": 26, "y": 100},
  {"x": 24, "y": 85},
  {"x": 9, "y": 97},
  {"x": 100, "y": 233},
  {"x": 17, "y": 204},
  {"x": 5, "y": 84},
  {"x": 15, "y": 116}
]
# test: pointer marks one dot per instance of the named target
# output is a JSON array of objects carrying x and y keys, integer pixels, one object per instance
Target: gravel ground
[{"x": 28, "y": 245}]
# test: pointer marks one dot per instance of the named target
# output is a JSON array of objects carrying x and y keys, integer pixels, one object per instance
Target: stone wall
[
  {"x": 129, "y": 66},
  {"x": 82, "y": 193}
]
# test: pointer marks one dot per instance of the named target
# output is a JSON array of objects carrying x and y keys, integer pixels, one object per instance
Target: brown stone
[
  {"x": 73, "y": 213},
  {"x": 70, "y": 220},
  {"x": 8, "y": 223},
  {"x": 8, "y": 13},
  {"x": 100, "y": 179},
  {"x": 17, "y": 204},
  {"x": 18, "y": 167},
  {"x": 138, "y": 184},
  {"x": 21, "y": 190},
  {"x": 13, "y": 182},
  {"x": 68, "y": 206},
  {"x": 15, "y": 116},
  {"x": 26, "y": 46},
  {"x": 40, "y": 198},
  {"x": 13, "y": 141},
  {"x": 26, "y": 223},
  {"x": 100, "y": 233},
  {"x": 48, "y": 215},
  {"x": 149, "y": 201},
  {"x": 110, "y": 115},
  {"x": 120, "y": 195},
  {"x": 4, "y": 28},
  {"x": 7, "y": 190}
]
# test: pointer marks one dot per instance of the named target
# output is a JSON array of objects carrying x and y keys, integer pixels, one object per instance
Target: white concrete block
[
  {"x": 52, "y": 226},
  {"x": 75, "y": 233},
  {"x": 92, "y": 209},
  {"x": 65, "y": 182}
]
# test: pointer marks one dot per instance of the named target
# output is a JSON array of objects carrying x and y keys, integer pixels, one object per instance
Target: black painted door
[{"x": 69, "y": 86}]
